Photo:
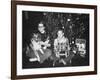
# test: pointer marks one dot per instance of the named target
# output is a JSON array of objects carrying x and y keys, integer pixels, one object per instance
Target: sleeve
[
  {"x": 55, "y": 44},
  {"x": 67, "y": 41}
]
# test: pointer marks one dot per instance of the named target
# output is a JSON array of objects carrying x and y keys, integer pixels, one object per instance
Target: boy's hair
[
  {"x": 60, "y": 30},
  {"x": 41, "y": 24}
]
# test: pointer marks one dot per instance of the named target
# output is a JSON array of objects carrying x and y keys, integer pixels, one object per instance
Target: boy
[{"x": 61, "y": 45}]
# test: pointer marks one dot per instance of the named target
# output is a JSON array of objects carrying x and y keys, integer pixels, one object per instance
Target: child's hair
[
  {"x": 60, "y": 30},
  {"x": 41, "y": 24}
]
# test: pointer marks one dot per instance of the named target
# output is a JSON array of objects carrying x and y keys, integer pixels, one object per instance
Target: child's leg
[
  {"x": 62, "y": 61},
  {"x": 37, "y": 55},
  {"x": 33, "y": 59}
]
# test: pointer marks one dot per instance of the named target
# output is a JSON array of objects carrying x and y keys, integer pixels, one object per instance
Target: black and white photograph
[{"x": 51, "y": 40}]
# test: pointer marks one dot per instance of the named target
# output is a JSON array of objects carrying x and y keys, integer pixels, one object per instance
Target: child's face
[
  {"x": 41, "y": 29},
  {"x": 60, "y": 34}
]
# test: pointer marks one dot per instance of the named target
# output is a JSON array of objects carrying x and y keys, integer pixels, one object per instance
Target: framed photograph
[{"x": 52, "y": 39}]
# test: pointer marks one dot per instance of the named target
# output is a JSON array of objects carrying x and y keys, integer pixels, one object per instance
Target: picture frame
[{"x": 21, "y": 10}]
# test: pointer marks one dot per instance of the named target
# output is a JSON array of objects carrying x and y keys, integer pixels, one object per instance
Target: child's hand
[
  {"x": 46, "y": 41},
  {"x": 44, "y": 47}
]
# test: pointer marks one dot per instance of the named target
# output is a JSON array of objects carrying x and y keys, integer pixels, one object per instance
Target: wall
[{"x": 5, "y": 39}]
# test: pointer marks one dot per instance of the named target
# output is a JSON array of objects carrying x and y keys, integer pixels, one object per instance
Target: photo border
[{"x": 14, "y": 38}]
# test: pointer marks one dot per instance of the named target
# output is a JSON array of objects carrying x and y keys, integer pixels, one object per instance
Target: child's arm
[{"x": 41, "y": 51}]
